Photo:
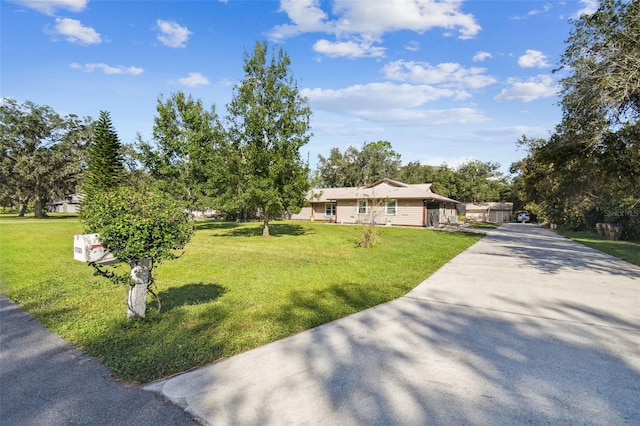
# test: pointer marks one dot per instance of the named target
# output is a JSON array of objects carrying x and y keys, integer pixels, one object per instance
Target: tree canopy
[
  {"x": 268, "y": 124},
  {"x": 358, "y": 167},
  {"x": 42, "y": 153},
  {"x": 183, "y": 157},
  {"x": 588, "y": 171}
]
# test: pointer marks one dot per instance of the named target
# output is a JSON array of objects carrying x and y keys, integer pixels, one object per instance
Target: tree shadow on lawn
[
  {"x": 190, "y": 294},
  {"x": 308, "y": 309},
  {"x": 214, "y": 225},
  {"x": 275, "y": 230},
  {"x": 165, "y": 342}
]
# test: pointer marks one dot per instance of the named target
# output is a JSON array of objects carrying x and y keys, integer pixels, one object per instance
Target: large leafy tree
[
  {"x": 357, "y": 167},
  {"x": 590, "y": 166},
  {"x": 443, "y": 177},
  {"x": 268, "y": 125},
  {"x": 184, "y": 156},
  {"x": 479, "y": 182},
  {"x": 42, "y": 153},
  {"x": 105, "y": 169}
]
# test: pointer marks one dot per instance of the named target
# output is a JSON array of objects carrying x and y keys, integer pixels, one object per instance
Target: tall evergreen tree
[{"x": 105, "y": 169}]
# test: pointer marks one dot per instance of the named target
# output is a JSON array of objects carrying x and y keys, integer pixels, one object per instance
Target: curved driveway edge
[
  {"x": 44, "y": 380},
  {"x": 524, "y": 327}
]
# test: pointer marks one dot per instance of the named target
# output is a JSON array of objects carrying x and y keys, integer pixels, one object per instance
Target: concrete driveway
[{"x": 525, "y": 327}]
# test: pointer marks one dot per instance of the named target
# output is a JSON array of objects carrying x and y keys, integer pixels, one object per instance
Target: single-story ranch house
[
  {"x": 489, "y": 212},
  {"x": 386, "y": 202}
]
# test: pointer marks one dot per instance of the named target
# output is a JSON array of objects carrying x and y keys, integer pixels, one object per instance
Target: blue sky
[{"x": 442, "y": 81}]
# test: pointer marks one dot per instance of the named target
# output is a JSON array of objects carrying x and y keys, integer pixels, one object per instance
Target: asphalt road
[{"x": 45, "y": 381}]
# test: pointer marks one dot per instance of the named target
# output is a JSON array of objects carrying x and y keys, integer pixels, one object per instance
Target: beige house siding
[
  {"x": 316, "y": 211},
  {"x": 409, "y": 201},
  {"x": 346, "y": 212},
  {"x": 305, "y": 214},
  {"x": 409, "y": 212}
]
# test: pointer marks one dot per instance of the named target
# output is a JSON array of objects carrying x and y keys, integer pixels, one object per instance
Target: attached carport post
[{"x": 335, "y": 209}]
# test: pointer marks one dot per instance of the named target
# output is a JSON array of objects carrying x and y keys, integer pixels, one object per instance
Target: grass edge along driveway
[{"x": 230, "y": 291}]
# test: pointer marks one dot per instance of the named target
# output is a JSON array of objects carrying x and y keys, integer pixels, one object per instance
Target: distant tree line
[{"x": 472, "y": 182}]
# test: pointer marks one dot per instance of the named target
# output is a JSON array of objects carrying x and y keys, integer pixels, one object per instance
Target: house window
[
  {"x": 392, "y": 207},
  {"x": 329, "y": 209},
  {"x": 363, "y": 207}
]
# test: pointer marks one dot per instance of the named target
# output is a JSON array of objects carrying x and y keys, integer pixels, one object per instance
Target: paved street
[{"x": 45, "y": 381}]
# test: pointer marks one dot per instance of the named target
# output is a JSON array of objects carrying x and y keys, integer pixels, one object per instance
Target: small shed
[
  {"x": 497, "y": 212},
  {"x": 68, "y": 204}
]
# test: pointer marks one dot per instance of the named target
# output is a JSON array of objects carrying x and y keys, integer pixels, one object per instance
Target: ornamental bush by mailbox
[{"x": 88, "y": 248}]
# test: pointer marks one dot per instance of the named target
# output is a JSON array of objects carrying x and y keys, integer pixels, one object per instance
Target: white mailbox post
[{"x": 88, "y": 248}]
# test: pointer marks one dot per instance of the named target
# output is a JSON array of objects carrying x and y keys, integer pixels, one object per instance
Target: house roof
[
  {"x": 489, "y": 206},
  {"x": 382, "y": 189}
]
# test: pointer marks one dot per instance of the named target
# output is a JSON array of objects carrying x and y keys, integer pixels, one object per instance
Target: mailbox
[{"x": 88, "y": 248}]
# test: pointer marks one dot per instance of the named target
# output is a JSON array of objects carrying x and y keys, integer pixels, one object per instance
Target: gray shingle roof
[{"x": 383, "y": 189}]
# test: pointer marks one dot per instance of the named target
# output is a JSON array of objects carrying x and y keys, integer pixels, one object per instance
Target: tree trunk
[
  {"x": 39, "y": 202},
  {"x": 23, "y": 208},
  {"x": 265, "y": 229},
  {"x": 38, "y": 213},
  {"x": 137, "y": 293}
]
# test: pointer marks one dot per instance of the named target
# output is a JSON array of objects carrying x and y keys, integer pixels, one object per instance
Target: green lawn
[
  {"x": 627, "y": 250},
  {"x": 230, "y": 291}
]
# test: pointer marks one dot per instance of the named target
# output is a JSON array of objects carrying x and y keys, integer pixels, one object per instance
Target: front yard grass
[
  {"x": 230, "y": 291},
  {"x": 627, "y": 250}
]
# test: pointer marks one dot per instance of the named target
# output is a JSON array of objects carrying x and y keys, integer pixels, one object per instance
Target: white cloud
[
  {"x": 513, "y": 132},
  {"x": 194, "y": 79},
  {"x": 538, "y": 87},
  {"x": 306, "y": 15},
  {"x": 49, "y": 7},
  {"x": 379, "y": 17},
  {"x": 349, "y": 49},
  {"x": 363, "y": 20},
  {"x": 172, "y": 34},
  {"x": 107, "y": 69},
  {"x": 481, "y": 56},
  {"x": 589, "y": 8},
  {"x": 533, "y": 59},
  {"x": 75, "y": 32},
  {"x": 426, "y": 117},
  {"x": 453, "y": 162},
  {"x": 362, "y": 97},
  {"x": 340, "y": 128},
  {"x": 412, "y": 46},
  {"x": 446, "y": 74},
  {"x": 392, "y": 103},
  {"x": 545, "y": 8}
]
